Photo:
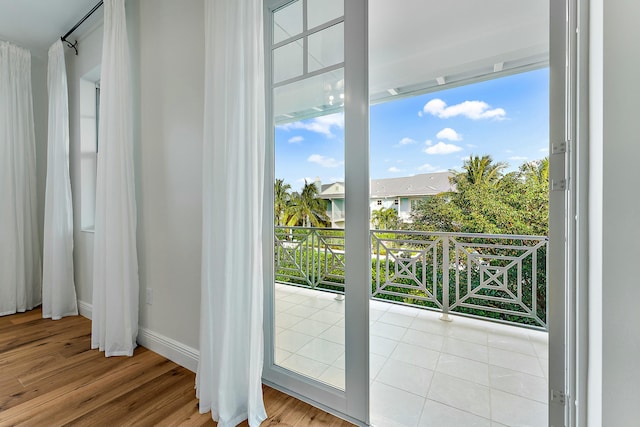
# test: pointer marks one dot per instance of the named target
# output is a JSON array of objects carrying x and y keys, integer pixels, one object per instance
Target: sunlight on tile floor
[{"x": 424, "y": 372}]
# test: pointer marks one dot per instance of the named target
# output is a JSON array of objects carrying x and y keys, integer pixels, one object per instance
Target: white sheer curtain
[
  {"x": 20, "y": 268},
  {"x": 115, "y": 262},
  {"x": 231, "y": 343},
  {"x": 58, "y": 290}
]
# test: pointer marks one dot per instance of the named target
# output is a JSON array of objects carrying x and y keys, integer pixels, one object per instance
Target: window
[
  {"x": 89, "y": 122},
  {"x": 379, "y": 202}
]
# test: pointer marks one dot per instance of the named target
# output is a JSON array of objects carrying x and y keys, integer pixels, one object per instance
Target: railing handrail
[
  {"x": 300, "y": 227},
  {"x": 470, "y": 235},
  {"x": 503, "y": 269},
  {"x": 429, "y": 233}
]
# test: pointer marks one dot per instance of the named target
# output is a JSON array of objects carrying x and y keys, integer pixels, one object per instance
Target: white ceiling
[
  {"x": 412, "y": 41},
  {"x": 36, "y": 24},
  {"x": 416, "y": 46}
]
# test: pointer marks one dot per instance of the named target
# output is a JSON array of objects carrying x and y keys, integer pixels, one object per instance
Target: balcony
[{"x": 457, "y": 323}]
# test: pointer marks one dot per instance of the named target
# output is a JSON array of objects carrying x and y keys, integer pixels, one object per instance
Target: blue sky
[{"x": 506, "y": 118}]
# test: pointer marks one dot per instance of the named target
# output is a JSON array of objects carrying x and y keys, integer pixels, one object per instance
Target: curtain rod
[{"x": 75, "y": 27}]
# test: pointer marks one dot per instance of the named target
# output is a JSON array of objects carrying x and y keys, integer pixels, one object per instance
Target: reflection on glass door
[{"x": 309, "y": 217}]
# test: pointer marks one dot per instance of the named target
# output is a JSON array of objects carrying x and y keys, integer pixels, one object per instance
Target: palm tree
[
  {"x": 282, "y": 199},
  {"x": 480, "y": 170},
  {"x": 385, "y": 218},
  {"x": 306, "y": 208},
  {"x": 537, "y": 171}
]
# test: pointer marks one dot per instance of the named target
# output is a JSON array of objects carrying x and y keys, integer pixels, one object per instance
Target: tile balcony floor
[{"x": 423, "y": 371}]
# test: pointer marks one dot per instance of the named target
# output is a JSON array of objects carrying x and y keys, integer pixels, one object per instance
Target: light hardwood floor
[{"x": 50, "y": 377}]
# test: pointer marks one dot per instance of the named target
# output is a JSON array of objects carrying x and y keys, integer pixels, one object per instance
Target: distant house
[{"x": 400, "y": 194}]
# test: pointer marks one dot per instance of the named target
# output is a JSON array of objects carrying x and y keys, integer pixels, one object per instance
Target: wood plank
[
  {"x": 50, "y": 376},
  {"x": 289, "y": 414},
  {"x": 318, "y": 418},
  {"x": 49, "y": 345},
  {"x": 188, "y": 414},
  {"x": 58, "y": 388},
  {"x": 52, "y": 382},
  {"x": 134, "y": 407},
  {"x": 27, "y": 317},
  {"x": 77, "y": 401}
]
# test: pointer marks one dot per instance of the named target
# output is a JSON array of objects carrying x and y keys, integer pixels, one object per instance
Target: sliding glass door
[
  {"x": 469, "y": 313},
  {"x": 318, "y": 268}
]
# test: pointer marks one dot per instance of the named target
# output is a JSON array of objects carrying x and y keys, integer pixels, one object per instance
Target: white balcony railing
[{"x": 499, "y": 277}]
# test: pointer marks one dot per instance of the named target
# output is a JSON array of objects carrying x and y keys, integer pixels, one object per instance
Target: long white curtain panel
[
  {"x": 115, "y": 261},
  {"x": 20, "y": 262},
  {"x": 229, "y": 373},
  {"x": 58, "y": 290}
]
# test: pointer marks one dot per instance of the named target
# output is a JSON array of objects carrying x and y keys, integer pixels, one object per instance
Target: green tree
[
  {"x": 535, "y": 195},
  {"x": 282, "y": 201},
  {"x": 479, "y": 170},
  {"x": 385, "y": 219},
  {"x": 306, "y": 209},
  {"x": 488, "y": 201}
]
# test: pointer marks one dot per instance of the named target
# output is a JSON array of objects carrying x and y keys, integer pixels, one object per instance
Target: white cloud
[
  {"x": 449, "y": 134},
  {"x": 325, "y": 162},
  {"x": 508, "y": 151},
  {"x": 394, "y": 169},
  {"x": 544, "y": 150},
  {"x": 406, "y": 141},
  {"x": 517, "y": 158},
  {"x": 428, "y": 142},
  {"x": 323, "y": 125},
  {"x": 442, "y": 148},
  {"x": 471, "y": 146},
  {"x": 427, "y": 168},
  {"x": 296, "y": 139},
  {"x": 474, "y": 110}
]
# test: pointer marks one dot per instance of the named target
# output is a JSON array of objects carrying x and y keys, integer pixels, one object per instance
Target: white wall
[
  {"x": 170, "y": 165},
  {"x": 615, "y": 288},
  {"x": 167, "y": 46}
]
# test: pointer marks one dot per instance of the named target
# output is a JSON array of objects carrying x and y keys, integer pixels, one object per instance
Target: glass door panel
[
  {"x": 308, "y": 273},
  {"x": 459, "y": 200},
  {"x": 309, "y": 258}
]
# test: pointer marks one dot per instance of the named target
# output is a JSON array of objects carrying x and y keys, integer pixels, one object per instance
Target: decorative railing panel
[
  {"x": 407, "y": 266},
  {"x": 310, "y": 257},
  {"x": 502, "y": 277}
]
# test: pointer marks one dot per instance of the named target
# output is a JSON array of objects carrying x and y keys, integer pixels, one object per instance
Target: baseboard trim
[
  {"x": 173, "y": 350},
  {"x": 85, "y": 309}
]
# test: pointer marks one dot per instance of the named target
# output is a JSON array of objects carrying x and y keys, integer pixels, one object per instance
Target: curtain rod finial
[{"x": 74, "y": 46}]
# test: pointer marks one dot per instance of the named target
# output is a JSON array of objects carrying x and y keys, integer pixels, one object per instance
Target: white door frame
[
  {"x": 568, "y": 176},
  {"x": 353, "y": 403},
  {"x": 566, "y": 167}
]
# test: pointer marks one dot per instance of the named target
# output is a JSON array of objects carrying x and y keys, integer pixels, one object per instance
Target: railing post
[{"x": 445, "y": 279}]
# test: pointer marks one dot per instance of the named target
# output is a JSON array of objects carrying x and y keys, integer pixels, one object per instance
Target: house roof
[{"x": 426, "y": 184}]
